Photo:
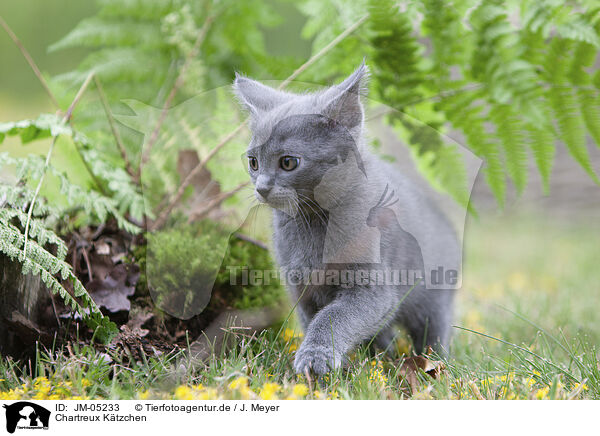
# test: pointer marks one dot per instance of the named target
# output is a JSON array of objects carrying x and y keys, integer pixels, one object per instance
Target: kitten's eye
[
  {"x": 289, "y": 163},
  {"x": 253, "y": 162}
]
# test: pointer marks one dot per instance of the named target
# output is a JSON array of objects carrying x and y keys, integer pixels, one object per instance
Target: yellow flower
[
  {"x": 85, "y": 382},
  {"x": 144, "y": 395},
  {"x": 509, "y": 377},
  {"x": 269, "y": 391},
  {"x": 208, "y": 394},
  {"x": 517, "y": 281},
  {"x": 288, "y": 335},
  {"x": 42, "y": 384},
  {"x": 238, "y": 383},
  {"x": 487, "y": 381},
  {"x": 183, "y": 393},
  {"x": 13, "y": 394},
  {"x": 584, "y": 387},
  {"x": 376, "y": 373},
  {"x": 293, "y": 347},
  {"x": 506, "y": 394},
  {"x": 530, "y": 381},
  {"x": 334, "y": 395},
  {"x": 542, "y": 393},
  {"x": 319, "y": 395},
  {"x": 300, "y": 390},
  {"x": 424, "y": 394}
]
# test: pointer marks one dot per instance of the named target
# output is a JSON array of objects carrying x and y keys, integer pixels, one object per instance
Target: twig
[
  {"x": 323, "y": 51},
  {"x": 65, "y": 120},
  {"x": 164, "y": 215},
  {"x": 186, "y": 182},
  {"x": 78, "y": 96},
  {"x": 54, "y": 308},
  {"x": 89, "y": 170},
  {"x": 176, "y": 85},
  {"x": 30, "y": 61},
  {"x": 217, "y": 200},
  {"x": 256, "y": 242},
  {"x": 40, "y": 77},
  {"x": 113, "y": 128},
  {"x": 86, "y": 257}
]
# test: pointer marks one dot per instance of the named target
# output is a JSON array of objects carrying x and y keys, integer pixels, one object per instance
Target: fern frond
[
  {"x": 541, "y": 142},
  {"x": 510, "y": 132},
  {"x": 587, "y": 95},
  {"x": 548, "y": 17},
  {"x": 396, "y": 53},
  {"x": 445, "y": 169},
  {"x": 571, "y": 127},
  {"x": 498, "y": 60},
  {"x": 37, "y": 230},
  {"x": 126, "y": 198},
  {"x": 465, "y": 113},
  {"x": 119, "y": 65},
  {"x": 564, "y": 104},
  {"x": 20, "y": 196},
  {"x": 97, "y": 32},
  {"x": 38, "y": 261},
  {"x": 141, "y": 9},
  {"x": 590, "y": 110},
  {"x": 450, "y": 41}
]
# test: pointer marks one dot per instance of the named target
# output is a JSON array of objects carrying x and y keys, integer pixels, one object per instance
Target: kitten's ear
[
  {"x": 257, "y": 97},
  {"x": 342, "y": 102}
]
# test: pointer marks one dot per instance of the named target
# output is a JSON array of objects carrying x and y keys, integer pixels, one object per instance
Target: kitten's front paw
[{"x": 316, "y": 358}]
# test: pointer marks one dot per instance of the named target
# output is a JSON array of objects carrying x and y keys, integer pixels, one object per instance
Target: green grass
[{"x": 528, "y": 326}]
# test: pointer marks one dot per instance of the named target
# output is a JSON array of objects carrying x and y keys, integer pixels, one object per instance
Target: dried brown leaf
[{"x": 412, "y": 365}]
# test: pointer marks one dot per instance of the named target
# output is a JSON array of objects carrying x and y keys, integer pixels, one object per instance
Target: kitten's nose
[{"x": 264, "y": 191}]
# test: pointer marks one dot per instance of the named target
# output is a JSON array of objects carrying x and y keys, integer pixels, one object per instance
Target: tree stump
[{"x": 24, "y": 301}]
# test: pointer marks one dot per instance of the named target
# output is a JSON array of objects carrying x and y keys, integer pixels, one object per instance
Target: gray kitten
[{"x": 360, "y": 244}]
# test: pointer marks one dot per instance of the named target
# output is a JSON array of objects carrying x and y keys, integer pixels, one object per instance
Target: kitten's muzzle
[{"x": 264, "y": 191}]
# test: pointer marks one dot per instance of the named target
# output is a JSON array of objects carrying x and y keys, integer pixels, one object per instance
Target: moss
[
  {"x": 185, "y": 255},
  {"x": 243, "y": 253}
]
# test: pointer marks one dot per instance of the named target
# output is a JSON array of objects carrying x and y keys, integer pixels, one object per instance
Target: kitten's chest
[{"x": 298, "y": 244}]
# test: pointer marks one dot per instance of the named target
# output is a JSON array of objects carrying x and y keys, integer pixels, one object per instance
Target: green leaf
[
  {"x": 509, "y": 130},
  {"x": 590, "y": 110}
]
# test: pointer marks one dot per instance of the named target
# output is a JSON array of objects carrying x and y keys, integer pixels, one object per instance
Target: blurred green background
[{"x": 37, "y": 24}]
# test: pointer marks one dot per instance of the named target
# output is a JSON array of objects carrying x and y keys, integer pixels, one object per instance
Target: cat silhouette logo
[{"x": 26, "y": 415}]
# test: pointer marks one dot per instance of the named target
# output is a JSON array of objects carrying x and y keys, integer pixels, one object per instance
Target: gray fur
[{"x": 343, "y": 208}]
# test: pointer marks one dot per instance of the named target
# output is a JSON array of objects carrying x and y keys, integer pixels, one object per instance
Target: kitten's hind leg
[
  {"x": 384, "y": 340},
  {"x": 428, "y": 321},
  {"x": 431, "y": 332}
]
